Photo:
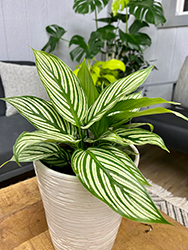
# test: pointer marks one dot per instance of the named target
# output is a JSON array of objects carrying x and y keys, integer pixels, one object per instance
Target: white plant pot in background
[{"x": 76, "y": 219}]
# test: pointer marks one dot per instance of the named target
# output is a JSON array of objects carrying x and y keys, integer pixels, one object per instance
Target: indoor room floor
[{"x": 168, "y": 170}]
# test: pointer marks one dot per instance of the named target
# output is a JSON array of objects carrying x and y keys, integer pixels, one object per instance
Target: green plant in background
[
  {"x": 121, "y": 38},
  {"x": 103, "y": 73},
  {"x": 73, "y": 132}
]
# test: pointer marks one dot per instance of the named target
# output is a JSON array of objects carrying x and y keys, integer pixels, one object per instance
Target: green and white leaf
[
  {"x": 59, "y": 160},
  {"x": 121, "y": 155},
  {"x": 111, "y": 180},
  {"x": 29, "y": 138},
  {"x": 63, "y": 87},
  {"x": 138, "y": 136},
  {"x": 109, "y": 136},
  {"x": 41, "y": 114},
  {"x": 55, "y": 160},
  {"x": 38, "y": 151},
  {"x": 114, "y": 93}
]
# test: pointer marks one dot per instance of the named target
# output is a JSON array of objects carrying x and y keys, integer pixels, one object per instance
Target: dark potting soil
[{"x": 64, "y": 170}]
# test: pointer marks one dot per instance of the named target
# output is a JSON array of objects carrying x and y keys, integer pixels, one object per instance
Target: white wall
[
  {"x": 23, "y": 22},
  {"x": 169, "y": 49}
]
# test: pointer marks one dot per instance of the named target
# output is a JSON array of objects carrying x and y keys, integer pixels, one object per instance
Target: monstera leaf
[
  {"x": 149, "y": 10},
  {"x": 135, "y": 39},
  {"x": 88, "y": 6},
  {"x": 83, "y": 49},
  {"x": 56, "y": 32}
]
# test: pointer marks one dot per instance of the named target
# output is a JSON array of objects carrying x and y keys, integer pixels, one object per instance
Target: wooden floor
[{"x": 169, "y": 170}]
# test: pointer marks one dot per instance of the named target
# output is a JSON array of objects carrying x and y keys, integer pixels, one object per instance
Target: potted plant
[
  {"x": 77, "y": 148},
  {"x": 121, "y": 37}
]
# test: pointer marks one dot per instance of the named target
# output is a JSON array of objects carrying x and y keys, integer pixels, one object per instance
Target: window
[
  {"x": 176, "y": 13},
  {"x": 182, "y": 7}
]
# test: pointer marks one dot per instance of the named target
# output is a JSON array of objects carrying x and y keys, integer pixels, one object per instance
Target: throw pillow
[{"x": 20, "y": 80}]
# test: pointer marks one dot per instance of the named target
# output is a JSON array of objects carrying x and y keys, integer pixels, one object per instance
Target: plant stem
[
  {"x": 96, "y": 23},
  {"x": 81, "y": 137},
  {"x": 65, "y": 40},
  {"x": 126, "y": 26}
]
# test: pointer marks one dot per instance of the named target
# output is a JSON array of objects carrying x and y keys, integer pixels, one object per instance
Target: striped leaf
[
  {"x": 56, "y": 160},
  {"x": 110, "y": 179},
  {"x": 129, "y": 163},
  {"x": 92, "y": 94},
  {"x": 30, "y": 138},
  {"x": 38, "y": 151},
  {"x": 63, "y": 87},
  {"x": 110, "y": 136},
  {"x": 135, "y": 95},
  {"x": 114, "y": 93},
  {"x": 138, "y": 136},
  {"x": 41, "y": 114}
]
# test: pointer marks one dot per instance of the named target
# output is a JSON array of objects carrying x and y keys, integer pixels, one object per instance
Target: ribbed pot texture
[{"x": 76, "y": 219}]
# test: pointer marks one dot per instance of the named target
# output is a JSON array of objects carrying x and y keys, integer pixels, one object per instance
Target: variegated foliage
[{"x": 83, "y": 129}]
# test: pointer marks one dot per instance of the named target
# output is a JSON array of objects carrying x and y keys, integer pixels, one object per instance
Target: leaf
[
  {"x": 136, "y": 26},
  {"x": 126, "y": 159},
  {"x": 41, "y": 114},
  {"x": 110, "y": 136},
  {"x": 56, "y": 32},
  {"x": 88, "y": 51},
  {"x": 116, "y": 18},
  {"x": 113, "y": 64},
  {"x": 87, "y": 84},
  {"x": 138, "y": 136},
  {"x": 63, "y": 87},
  {"x": 106, "y": 32},
  {"x": 111, "y": 180},
  {"x": 113, "y": 93},
  {"x": 29, "y": 138},
  {"x": 88, "y": 6},
  {"x": 149, "y": 10},
  {"x": 118, "y": 4},
  {"x": 92, "y": 93},
  {"x": 38, "y": 151},
  {"x": 60, "y": 159},
  {"x": 131, "y": 104},
  {"x": 138, "y": 41},
  {"x": 122, "y": 117},
  {"x": 135, "y": 125}
]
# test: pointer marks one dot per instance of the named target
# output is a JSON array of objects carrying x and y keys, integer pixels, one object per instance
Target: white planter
[{"x": 76, "y": 219}]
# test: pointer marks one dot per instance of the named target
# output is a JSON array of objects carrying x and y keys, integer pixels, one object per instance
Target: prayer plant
[{"x": 82, "y": 129}]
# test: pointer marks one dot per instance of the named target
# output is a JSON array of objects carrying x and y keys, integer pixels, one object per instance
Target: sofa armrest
[{"x": 144, "y": 86}]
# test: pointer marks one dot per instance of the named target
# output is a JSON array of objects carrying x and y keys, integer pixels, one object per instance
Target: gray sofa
[{"x": 12, "y": 124}]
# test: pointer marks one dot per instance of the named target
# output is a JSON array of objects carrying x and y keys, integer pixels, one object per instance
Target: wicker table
[{"x": 23, "y": 225}]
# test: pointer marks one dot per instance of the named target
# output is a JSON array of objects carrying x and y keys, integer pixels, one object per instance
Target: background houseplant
[
  {"x": 73, "y": 133},
  {"x": 120, "y": 38}
]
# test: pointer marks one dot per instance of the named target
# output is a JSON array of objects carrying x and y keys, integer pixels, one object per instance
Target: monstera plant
[
  {"x": 120, "y": 38},
  {"x": 82, "y": 130}
]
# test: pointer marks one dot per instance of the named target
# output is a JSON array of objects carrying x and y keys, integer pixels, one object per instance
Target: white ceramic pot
[{"x": 76, "y": 219}]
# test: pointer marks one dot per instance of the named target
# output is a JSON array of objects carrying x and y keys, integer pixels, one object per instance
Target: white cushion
[
  {"x": 181, "y": 89},
  {"x": 20, "y": 80}
]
